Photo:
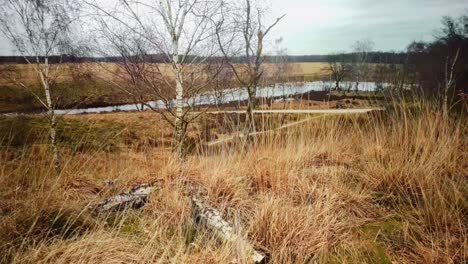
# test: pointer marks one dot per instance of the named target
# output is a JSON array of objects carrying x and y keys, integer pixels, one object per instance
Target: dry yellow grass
[
  {"x": 107, "y": 71},
  {"x": 383, "y": 188}
]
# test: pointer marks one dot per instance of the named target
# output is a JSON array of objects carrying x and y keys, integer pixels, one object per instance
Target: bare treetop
[
  {"x": 362, "y": 48},
  {"x": 180, "y": 30},
  {"x": 159, "y": 23},
  {"x": 243, "y": 26},
  {"x": 38, "y": 27}
]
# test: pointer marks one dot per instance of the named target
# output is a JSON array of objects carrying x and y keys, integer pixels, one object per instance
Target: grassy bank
[
  {"x": 379, "y": 188},
  {"x": 66, "y": 95}
]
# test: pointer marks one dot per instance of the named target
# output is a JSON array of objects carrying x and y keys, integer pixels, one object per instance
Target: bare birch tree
[
  {"x": 284, "y": 69},
  {"x": 38, "y": 30},
  {"x": 241, "y": 32},
  {"x": 361, "y": 49},
  {"x": 179, "y": 30}
]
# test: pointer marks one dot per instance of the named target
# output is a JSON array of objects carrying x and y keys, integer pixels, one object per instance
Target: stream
[{"x": 228, "y": 96}]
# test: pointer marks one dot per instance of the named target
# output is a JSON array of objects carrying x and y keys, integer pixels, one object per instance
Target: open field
[
  {"x": 69, "y": 72},
  {"x": 385, "y": 187}
]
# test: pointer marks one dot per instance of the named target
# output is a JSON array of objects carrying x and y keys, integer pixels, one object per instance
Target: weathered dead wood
[
  {"x": 203, "y": 215},
  {"x": 211, "y": 219},
  {"x": 136, "y": 198}
]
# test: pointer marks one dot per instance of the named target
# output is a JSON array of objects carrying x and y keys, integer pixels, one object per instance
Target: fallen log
[
  {"x": 203, "y": 215},
  {"x": 136, "y": 198},
  {"x": 211, "y": 219}
]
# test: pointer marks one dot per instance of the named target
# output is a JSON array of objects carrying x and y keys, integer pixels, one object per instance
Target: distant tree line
[
  {"x": 65, "y": 58},
  {"x": 373, "y": 57}
]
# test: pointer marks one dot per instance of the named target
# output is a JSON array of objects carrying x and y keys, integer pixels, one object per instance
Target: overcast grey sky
[{"x": 324, "y": 26}]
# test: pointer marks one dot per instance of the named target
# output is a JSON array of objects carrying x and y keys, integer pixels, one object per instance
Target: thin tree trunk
[
  {"x": 44, "y": 74},
  {"x": 445, "y": 103},
  {"x": 356, "y": 88},
  {"x": 53, "y": 139},
  {"x": 251, "y": 106},
  {"x": 450, "y": 80},
  {"x": 179, "y": 134}
]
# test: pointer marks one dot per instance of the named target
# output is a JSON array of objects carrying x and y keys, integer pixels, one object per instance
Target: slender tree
[
  {"x": 181, "y": 32},
  {"x": 38, "y": 30},
  {"x": 241, "y": 31},
  {"x": 361, "y": 49},
  {"x": 283, "y": 68}
]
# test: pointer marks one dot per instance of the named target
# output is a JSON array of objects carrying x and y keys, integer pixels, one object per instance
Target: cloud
[{"x": 319, "y": 27}]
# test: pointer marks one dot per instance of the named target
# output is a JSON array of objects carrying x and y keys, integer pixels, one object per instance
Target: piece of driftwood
[
  {"x": 210, "y": 218},
  {"x": 136, "y": 198}
]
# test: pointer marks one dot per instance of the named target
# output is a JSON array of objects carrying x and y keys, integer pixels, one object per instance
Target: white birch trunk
[
  {"x": 179, "y": 126},
  {"x": 44, "y": 74}
]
